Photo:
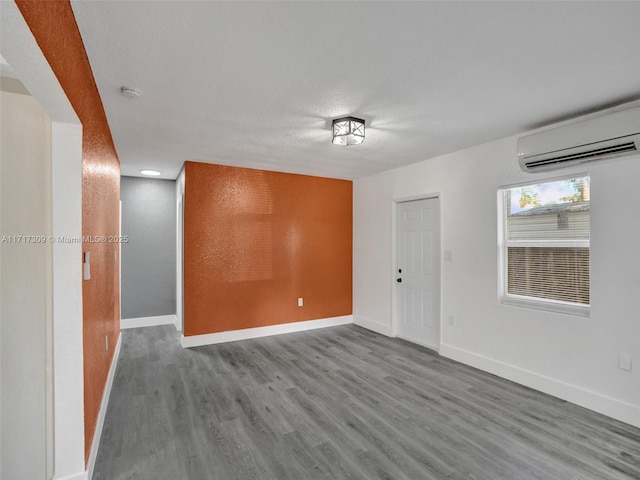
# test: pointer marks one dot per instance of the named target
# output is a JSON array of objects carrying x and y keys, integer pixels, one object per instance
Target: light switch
[
  {"x": 86, "y": 266},
  {"x": 624, "y": 362}
]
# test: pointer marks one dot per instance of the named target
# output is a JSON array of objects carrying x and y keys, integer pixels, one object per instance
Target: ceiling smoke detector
[{"x": 130, "y": 92}]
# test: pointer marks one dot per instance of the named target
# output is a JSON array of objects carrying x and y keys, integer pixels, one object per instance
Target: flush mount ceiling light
[
  {"x": 150, "y": 173},
  {"x": 348, "y": 131}
]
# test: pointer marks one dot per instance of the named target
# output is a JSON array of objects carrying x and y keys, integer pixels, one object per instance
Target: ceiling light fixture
[
  {"x": 150, "y": 173},
  {"x": 348, "y": 131}
]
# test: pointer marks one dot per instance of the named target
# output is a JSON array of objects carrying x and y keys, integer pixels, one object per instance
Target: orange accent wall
[
  {"x": 55, "y": 29},
  {"x": 255, "y": 241}
]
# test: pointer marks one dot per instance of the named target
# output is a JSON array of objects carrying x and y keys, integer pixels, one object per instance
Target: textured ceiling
[{"x": 256, "y": 84}]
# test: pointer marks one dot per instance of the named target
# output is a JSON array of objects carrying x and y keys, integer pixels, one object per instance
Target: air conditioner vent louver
[
  {"x": 606, "y": 136},
  {"x": 591, "y": 154}
]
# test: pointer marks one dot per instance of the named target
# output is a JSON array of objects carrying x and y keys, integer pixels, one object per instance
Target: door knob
[{"x": 399, "y": 280}]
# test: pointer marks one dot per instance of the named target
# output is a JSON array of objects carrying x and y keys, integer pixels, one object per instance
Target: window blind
[{"x": 552, "y": 273}]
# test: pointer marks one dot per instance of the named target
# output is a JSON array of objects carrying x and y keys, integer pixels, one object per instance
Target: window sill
[{"x": 554, "y": 306}]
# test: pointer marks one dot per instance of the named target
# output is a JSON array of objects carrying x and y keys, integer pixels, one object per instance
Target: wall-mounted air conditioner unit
[{"x": 606, "y": 136}]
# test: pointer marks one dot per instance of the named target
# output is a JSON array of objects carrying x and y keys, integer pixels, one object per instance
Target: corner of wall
[{"x": 373, "y": 326}]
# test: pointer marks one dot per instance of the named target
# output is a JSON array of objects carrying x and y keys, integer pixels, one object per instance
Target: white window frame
[{"x": 505, "y": 298}]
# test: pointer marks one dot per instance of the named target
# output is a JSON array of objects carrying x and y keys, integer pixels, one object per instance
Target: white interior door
[{"x": 418, "y": 271}]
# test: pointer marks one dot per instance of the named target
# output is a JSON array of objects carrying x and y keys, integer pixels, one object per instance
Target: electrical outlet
[
  {"x": 624, "y": 362},
  {"x": 448, "y": 256},
  {"x": 452, "y": 320},
  {"x": 300, "y": 302}
]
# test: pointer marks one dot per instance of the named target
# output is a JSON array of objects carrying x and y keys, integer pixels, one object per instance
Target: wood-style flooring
[{"x": 340, "y": 403}]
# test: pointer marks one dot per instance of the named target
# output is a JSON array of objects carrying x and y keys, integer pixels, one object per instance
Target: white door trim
[
  {"x": 180, "y": 263},
  {"x": 394, "y": 256}
]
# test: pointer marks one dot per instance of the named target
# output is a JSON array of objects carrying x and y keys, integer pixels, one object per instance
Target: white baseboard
[
  {"x": 75, "y": 476},
  {"x": 148, "y": 321},
  {"x": 97, "y": 434},
  {"x": 257, "y": 332},
  {"x": 373, "y": 326},
  {"x": 597, "y": 402}
]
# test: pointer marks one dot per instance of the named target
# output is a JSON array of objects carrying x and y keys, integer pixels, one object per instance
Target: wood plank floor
[{"x": 340, "y": 403}]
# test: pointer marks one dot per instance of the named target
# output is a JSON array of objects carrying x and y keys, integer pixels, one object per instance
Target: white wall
[
  {"x": 67, "y": 302},
  {"x": 571, "y": 357},
  {"x": 25, "y": 287},
  {"x": 20, "y": 49}
]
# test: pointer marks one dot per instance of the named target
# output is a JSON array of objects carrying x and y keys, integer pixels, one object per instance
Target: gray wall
[{"x": 149, "y": 257}]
